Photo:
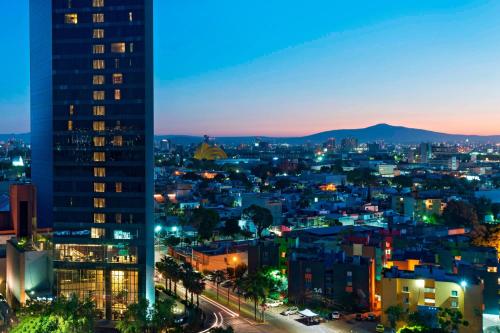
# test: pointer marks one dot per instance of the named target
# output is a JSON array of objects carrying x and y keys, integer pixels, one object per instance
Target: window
[
  {"x": 98, "y": 49},
  {"x": 97, "y": 3},
  {"x": 70, "y": 125},
  {"x": 406, "y": 300},
  {"x": 98, "y": 79},
  {"x": 99, "y": 187},
  {"x": 99, "y": 141},
  {"x": 118, "y": 94},
  {"x": 99, "y": 218},
  {"x": 454, "y": 304},
  {"x": 98, "y": 64},
  {"x": 118, "y": 47},
  {"x": 71, "y": 109},
  {"x": 98, "y": 33},
  {"x": 349, "y": 273},
  {"x": 97, "y": 232},
  {"x": 118, "y": 218},
  {"x": 454, "y": 293},
  {"x": 99, "y": 157},
  {"x": 130, "y": 16},
  {"x": 117, "y": 78},
  {"x": 118, "y": 187},
  {"x": 131, "y": 47},
  {"x": 99, "y": 125},
  {"x": 98, "y": 17},
  {"x": 406, "y": 289},
  {"x": 100, "y": 172},
  {"x": 71, "y": 18},
  {"x": 99, "y": 203},
  {"x": 118, "y": 141},
  {"x": 117, "y": 63},
  {"x": 99, "y": 110},
  {"x": 99, "y": 95},
  {"x": 491, "y": 269}
]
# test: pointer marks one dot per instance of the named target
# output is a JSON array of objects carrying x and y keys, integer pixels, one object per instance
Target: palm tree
[
  {"x": 187, "y": 272},
  {"x": 256, "y": 288},
  {"x": 197, "y": 286},
  {"x": 162, "y": 314},
  {"x": 161, "y": 267},
  {"x": 136, "y": 318},
  {"x": 173, "y": 269},
  {"x": 219, "y": 276},
  {"x": 239, "y": 279}
]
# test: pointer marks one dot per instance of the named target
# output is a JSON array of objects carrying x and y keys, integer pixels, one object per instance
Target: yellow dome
[{"x": 207, "y": 152}]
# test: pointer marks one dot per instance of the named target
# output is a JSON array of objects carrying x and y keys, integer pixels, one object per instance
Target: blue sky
[{"x": 294, "y": 67}]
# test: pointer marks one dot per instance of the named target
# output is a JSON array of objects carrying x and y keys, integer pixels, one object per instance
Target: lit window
[
  {"x": 117, "y": 78},
  {"x": 349, "y": 273},
  {"x": 97, "y": 232},
  {"x": 118, "y": 141},
  {"x": 406, "y": 289},
  {"x": 454, "y": 293},
  {"x": 70, "y": 125},
  {"x": 130, "y": 16},
  {"x": 100, "y": 172},
  {"x": 99, "y": 95},
  {"x": 99, "y": 125},
  {"x": 118, "y": 94},
  {"x": 131, "y": 47},
  {"x": 118, "y": 218},
  {"x": 118, "y": 187},
  {"x": 99, "y": 157},
  {"x": 97, "y": 3},
  {"x": 454, "y": 304},
  {"x": 98, "y": 64},
  {"x": 98, "y": 33},
  {"x": 99, "y": 187},
  {"x": 71, "y": 18},
  {"x": 71, "y": 109},
  {"x": 99, "y": 141},
  {"x": 99, "y": 218},
  {"x": 98, "y": 49},
  {"x": 492, "y": 269},
  {"x": 99, "y": 110},
  {"x": 98, "y": 79},
  {"x": 99, "y": 203},
  {"x": 118, "y": 47},
  {"x": 98, "y": 17}
]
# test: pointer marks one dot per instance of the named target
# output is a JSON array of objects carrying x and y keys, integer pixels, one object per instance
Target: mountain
[{"x": 384, "y": 132}]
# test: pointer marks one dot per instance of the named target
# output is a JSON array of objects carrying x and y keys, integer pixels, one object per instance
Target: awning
[{"x": 308, "y": 313}]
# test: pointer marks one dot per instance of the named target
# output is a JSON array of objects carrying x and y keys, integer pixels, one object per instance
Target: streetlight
[
  {"x": 463, "y": 283},
  {"x": 158, "y": 228}
]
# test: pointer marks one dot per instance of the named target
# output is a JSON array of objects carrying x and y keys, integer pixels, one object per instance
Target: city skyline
[{"x": 421, "y": 65}]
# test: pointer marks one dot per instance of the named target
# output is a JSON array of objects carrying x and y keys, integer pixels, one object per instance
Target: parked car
[
  {"x": 273, "y": 303},
  {"x": 380, "y": 328},
  {"x": 227, "y": 284},
  {"x": 335, "y": 315},
  {"x": 371, "y": 317},
  {"x": 290, "y": 311},
  {"x": 358, "y": 317}
]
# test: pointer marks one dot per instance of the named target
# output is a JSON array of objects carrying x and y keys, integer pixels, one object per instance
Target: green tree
[
  {"x": 260, "y": 216},
  {"x": 451, "y": 319},
  {"x": 219, "y": 277},
  {"x": 136, "y": 318},
  {"x": 402, "y": 181},
  {"x": 163, "y": 316},
  {"x": 239, "y": 281},
  {"x": 394, "y": 314},
  {"x": 231, "y": 227},
  {"x": 197, "y": 286},
  {"x": 256, "y": 288},
  {"x": 205, "y": 221},
  {"x": 361, "y": 177},
  {"x": 460, "y": 214}
]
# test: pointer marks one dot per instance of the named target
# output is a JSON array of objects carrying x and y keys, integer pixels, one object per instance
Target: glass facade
[{"x": 101, "y": 126}]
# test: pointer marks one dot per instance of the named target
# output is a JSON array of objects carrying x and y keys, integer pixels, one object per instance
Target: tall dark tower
[{"x": 92, "y": 142}]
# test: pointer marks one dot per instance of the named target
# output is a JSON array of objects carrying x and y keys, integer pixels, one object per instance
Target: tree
[
  {"x": 260, "y": 216},
  {"x": 255, "y": 288},
  {"x": 197, "y": 286},
  {"x": 483, "y": 207},
  {"x": 450, "y": 320},
  {"x": 170, "y": 270},
  {"x": 239, "y": 281},
  {"x": 394, "y": 314},
  {"x": 361, "y": 177},
  {"x": 231, "y": 227},
  {"x": 140, "y": 318},
  {"x": 186, "y": 276},
  {"x": 64, "y": 315},
  {"x": 163, "y": 317},
  {"x": 402, "y": 181},
  {"x": 219, "y": 276},
  {"x": 205, "y": 221},
  {"x": 460, "y": 214}
]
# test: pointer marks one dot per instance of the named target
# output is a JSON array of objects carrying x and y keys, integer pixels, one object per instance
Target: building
[
  {"x": 348, "y": 144},
  {"x": 428, "y": 288},
  {"x": 425, "y": 152},
  {"x": 23, "y": 209},
  {"x": 92, "y": 144}
]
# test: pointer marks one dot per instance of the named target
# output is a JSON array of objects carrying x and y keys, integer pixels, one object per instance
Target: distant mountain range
[
  {"x": 382, "y": 132},
  {"x": 379, "y": 132}
]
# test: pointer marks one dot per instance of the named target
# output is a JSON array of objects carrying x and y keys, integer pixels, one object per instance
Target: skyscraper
[{"x": 92, "y": 142}]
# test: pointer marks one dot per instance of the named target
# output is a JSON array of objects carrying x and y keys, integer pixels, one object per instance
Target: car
[
  {"x": 227, "y": 284},
  {"x": 290, "y": 311},
  {"x": 371, "y": 317},
  {"x": 335, "y": 315},
  {"x": 273, "y": 303},
  {"x": 380, "y": 328},
  {"x": 358, "y": 317}
]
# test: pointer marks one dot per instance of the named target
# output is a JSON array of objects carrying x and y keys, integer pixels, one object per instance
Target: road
[{"x": 274, "y": 321}]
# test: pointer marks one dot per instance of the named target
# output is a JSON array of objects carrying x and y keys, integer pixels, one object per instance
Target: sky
[{"x": 296, "y": 67}]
